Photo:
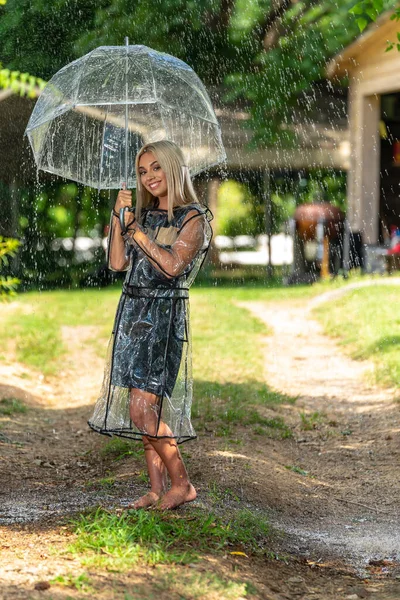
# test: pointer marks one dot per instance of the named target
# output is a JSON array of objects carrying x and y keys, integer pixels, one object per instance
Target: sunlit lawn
[
  {"x": 228, "y": 354},
  {"x": 225, "y": 336},
  {"x": 228, "y": 361},
  {"x": 367, "y": 323}
]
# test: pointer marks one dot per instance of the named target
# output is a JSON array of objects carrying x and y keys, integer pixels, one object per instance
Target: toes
[{"x": 145, "y": 502}]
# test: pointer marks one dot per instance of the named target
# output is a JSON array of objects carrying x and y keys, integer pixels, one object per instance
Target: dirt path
[
  {"x": 334, "y": 489},
  {"x": 350, "y": 509}
]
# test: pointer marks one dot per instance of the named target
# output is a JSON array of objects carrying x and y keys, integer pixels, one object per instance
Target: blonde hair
[{"x": 172, "y": 162}]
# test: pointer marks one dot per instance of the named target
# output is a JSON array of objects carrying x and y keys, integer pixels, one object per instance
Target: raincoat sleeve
[
  {"x": 114, "y": 230},
  {"x": 172, "y": 261}
]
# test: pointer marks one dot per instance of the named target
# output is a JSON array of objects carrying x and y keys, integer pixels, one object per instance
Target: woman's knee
[{"x": 143, "y": 410}]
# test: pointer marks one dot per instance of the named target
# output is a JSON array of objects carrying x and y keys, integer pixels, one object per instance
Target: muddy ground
[{"x": 331, "y": 492}]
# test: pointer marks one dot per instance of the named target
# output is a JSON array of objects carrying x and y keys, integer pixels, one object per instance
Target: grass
[
  {"x": 78, "y": 582},
  {"x": 296, "y": 470},
  {"x": 105, "y": 483},
  {"x": 228, "y": 354},
  {"x": 367, "y": 324},
  {"x": 105, "y": 539},
  {"x": 35, "y": 325},
  {"x": 218, "y": 495},
  {"x": 118, "y": 448},
  {"x": 311, "y": 421},
  {"x": 12, "y": 406}
]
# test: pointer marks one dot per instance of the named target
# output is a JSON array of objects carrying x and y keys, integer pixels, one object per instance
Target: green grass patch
[
  {"x": 218, "y": 495},
  {"x": 311, "y": 421},
  {"x": 105, "y": 483},
  {"x": 35, "y": 325},
  {"x": 119, "y": 541},
  {"x": 297, "y": 470},
  {"x": 118, "y": 448},
  {"x": 79, "y": 582},
  {"x": 367, "y": 324},
  {"x": 12, "y": 406}
]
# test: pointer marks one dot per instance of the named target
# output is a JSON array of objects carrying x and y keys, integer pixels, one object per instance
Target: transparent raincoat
[{"x": 150, "y": 348}]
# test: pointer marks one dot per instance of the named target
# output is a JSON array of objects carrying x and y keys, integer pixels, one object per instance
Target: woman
[{"x": 147, "y": 388}]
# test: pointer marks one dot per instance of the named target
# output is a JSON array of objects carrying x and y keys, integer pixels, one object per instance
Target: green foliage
[
  {"x": 310, "y": 421},
  {"x": 291, "y": 55},
  {"x": 8, "y": 249},
  {"x": 58, "y": 211},
  {"x": 79, "y": 582},
  {"x": 240, "y": 212},
  {"x": 316, "y": 185},
  {"x": 237, "y": 211},
  {"x": 38, "y": 36},
  {"x": 21, "y": 83},
  {"x": 368, "y": 11},
  {"x": 265, "y": 59}
]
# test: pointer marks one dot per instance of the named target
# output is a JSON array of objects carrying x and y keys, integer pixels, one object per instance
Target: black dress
[{"x": 150, "y": 347}]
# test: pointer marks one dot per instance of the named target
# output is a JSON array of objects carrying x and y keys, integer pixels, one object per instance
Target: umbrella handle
[
  {"x": 122, "y": 218},
  {"x": 122, "y": 212}
]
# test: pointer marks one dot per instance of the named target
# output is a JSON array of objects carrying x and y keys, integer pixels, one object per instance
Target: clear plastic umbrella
[{"x": 96, "y": 112}]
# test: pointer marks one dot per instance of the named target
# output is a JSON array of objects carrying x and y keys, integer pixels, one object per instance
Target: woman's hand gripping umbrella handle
[{"x": 122, "y": 211}]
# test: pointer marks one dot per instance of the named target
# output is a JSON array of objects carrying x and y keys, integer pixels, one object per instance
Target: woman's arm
[
  {"x": 173, "y": 261},
  {"x": 116, "y": 249}
]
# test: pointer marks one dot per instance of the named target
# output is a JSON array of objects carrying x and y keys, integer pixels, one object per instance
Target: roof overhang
[{"x": 382, "y": 30}]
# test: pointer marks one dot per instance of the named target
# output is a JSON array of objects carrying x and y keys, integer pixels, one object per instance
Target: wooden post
[
  {"x": 325, "y": 259},
  {"x": 364, "y": 175},
  {"x": 266, "y": 192},
  {"x": 212, "y": 201}
]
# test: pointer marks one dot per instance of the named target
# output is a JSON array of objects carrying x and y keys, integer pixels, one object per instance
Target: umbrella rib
[
  {"x": 142, "y": 102},
  {"x": 51, "y": 118},
  {"x": 81, "y": 75},
  {"x": 154, "y": 81},
  {"x": 102, "y": 145},
  {"x": 192, "y": 114},
  {"x": 199, "y": 91}
]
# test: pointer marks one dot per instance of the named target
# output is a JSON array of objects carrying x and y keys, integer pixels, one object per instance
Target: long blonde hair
[{"x": 172, "y": 162}]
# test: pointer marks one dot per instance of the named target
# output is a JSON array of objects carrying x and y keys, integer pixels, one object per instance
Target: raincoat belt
[{"x": 144, "y": 292}]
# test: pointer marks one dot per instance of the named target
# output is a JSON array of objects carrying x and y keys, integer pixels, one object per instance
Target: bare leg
[
  {"x": 181, "y": 489},
  {"x": 158, "y": 477},
  {"x": 144, "y": 413}
]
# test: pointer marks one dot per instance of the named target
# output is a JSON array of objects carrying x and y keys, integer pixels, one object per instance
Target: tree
[
  {"x": 368, "y": 11},
  {"x": 8, "y": 249},
  {"x": 267, "y": 54},
  {"x": 20, "y": 83}
]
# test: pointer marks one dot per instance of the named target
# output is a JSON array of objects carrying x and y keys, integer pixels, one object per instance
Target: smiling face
[{"x": 152, "y": 177}]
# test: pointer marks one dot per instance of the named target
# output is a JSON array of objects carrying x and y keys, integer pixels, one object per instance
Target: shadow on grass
[
  {"x": 220, "y": 407},
  {"x": 383, "y": 344}
]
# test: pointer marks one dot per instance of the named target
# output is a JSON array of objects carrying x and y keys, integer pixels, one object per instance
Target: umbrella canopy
[{"x": 96, "y": 112}]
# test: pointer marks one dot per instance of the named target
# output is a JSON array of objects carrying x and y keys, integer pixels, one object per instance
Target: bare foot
[
  {"x": 176, "y": 496},
  {"x": 145, "y": 501}
]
